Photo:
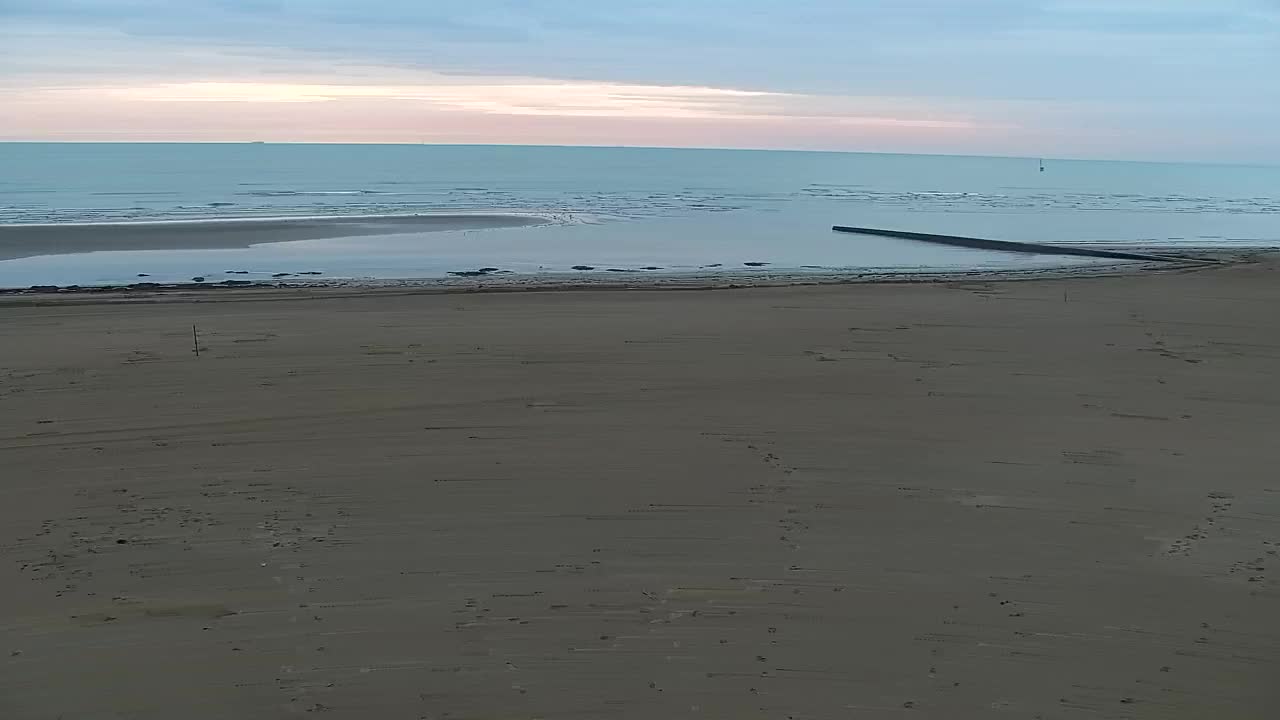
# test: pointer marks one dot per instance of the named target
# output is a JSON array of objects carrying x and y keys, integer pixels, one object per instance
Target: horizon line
[{"x": 1029, "y": 158}]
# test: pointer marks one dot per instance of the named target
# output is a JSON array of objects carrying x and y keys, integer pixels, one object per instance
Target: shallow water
[{"x": 677, "y": 210}]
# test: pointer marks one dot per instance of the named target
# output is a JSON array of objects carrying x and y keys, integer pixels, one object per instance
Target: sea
[{"x": 669, "y": 210}]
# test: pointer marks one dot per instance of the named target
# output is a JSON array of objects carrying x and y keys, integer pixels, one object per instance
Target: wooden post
[{"x": 195, "y": 340}]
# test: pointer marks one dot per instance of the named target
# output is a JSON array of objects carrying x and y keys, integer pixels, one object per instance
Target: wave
[
  {"x": 1083, "y": 201},
  {"x": 303, "y": 193},
  {"x": 549, "y": 217},
  {"x": 637, "y": 204}
]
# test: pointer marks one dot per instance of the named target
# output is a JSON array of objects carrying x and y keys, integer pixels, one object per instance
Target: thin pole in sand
[{"x": 195, "y": 340}]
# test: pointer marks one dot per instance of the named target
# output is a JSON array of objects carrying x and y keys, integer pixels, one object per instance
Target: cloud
[
  {"x": 988, "y": 48},
  {"x": 524, "y": 97},
  {"x": 1051, "y": 68}
]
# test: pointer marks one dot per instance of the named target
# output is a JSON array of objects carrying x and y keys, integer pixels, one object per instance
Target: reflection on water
[{"x": 660, "y": 246}]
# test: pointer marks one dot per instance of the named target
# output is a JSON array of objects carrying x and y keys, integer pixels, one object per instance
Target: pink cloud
[{"x": 523, "y": 111}]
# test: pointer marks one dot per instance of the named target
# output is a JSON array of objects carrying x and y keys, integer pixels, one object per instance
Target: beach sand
[
  {"x": 19, "y": 241},
  {"x": 1043, "y": 499}
]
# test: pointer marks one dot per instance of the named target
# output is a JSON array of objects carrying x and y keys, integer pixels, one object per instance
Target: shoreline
[
  {"x": 485, "y": 283},
  {"x": 352, "y": 218},
  {"x": 18, "y": 241},
  {"x": 44, "y": 243}
]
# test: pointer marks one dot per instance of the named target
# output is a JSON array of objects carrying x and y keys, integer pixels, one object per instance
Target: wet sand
[
  {"x": 1051, "y": 499},
  {"x": 19, "y": 241}
]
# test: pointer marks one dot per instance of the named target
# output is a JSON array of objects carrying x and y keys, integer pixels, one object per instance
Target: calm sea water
[{"x": 675, "y": 209}]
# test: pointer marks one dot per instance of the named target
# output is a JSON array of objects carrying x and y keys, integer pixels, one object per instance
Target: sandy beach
[
  {"x": 19, "y": 241},
  {"x": 1040, "y": 499}
]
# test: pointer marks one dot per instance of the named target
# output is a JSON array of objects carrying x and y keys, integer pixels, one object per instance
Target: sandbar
[{"x": 19, "y": 241}]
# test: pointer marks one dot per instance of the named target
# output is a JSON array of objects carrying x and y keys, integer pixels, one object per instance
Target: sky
[{"x": 1123, "y": 79}]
